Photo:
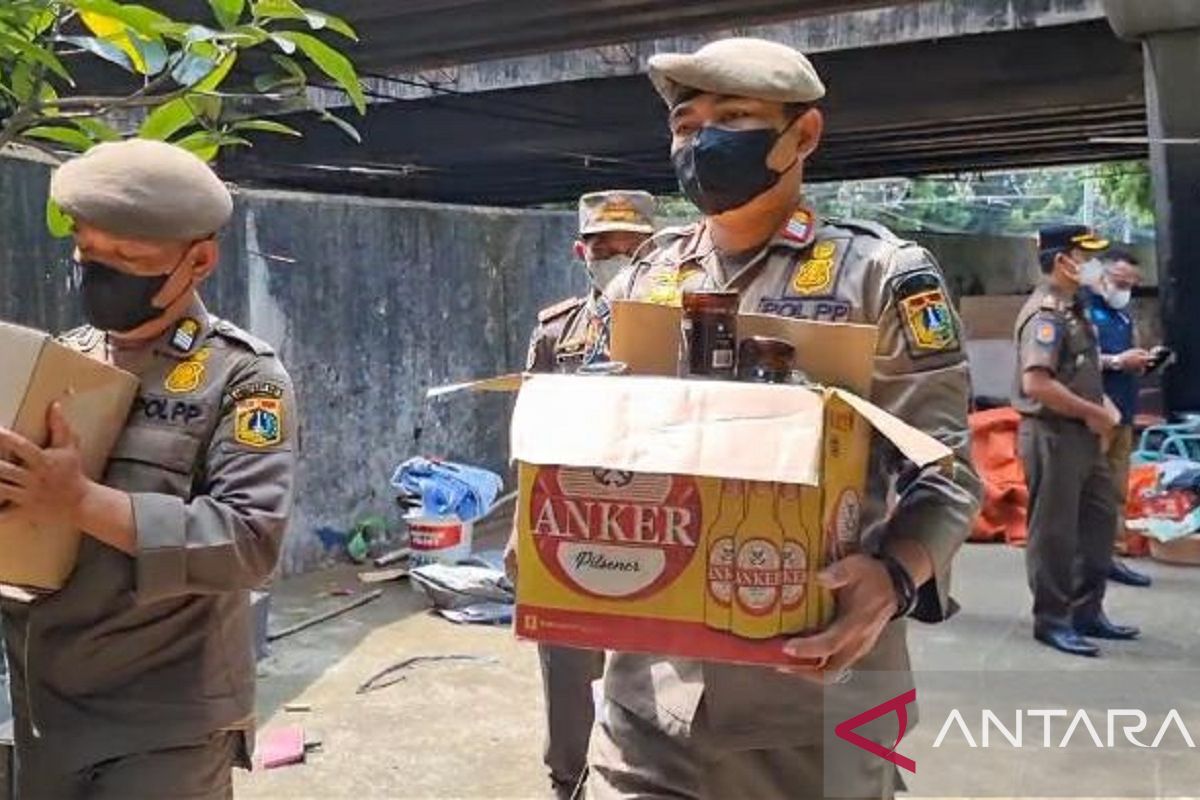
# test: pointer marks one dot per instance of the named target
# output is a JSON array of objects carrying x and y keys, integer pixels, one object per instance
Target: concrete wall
[{"x": 371, "y": 303}]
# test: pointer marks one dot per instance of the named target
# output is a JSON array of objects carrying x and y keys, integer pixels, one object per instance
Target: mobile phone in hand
[{"x": 1161, "y": 356}]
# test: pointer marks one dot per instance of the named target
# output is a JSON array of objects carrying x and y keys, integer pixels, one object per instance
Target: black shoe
[
  {"x": 1101, "y": 627},
  {"x": 1120, "y": 572},
  {"x": 569, "y": 790},
  {"x": 1066, "y": 641}
]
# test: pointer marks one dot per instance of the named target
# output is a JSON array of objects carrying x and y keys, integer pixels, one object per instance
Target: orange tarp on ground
[
  {"x": 1143, "y": 479},
  {"x": 1002, "y": 517}
]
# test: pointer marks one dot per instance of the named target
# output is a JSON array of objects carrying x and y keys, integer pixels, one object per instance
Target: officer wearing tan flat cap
[
  {"x": 744, "y": 120},
  {"x": 1065, "y": 419},
  {"x": 571, "y": 334},
  {"x": 136, "y": 680}
]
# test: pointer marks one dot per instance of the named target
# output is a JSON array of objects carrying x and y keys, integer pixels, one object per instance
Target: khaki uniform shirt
[
  {"x": 150, "y": 651},
  {"x": 569, "y": 334},
  {"x": 1053, "y": 332},
  {"x": 843, "y": 272}
]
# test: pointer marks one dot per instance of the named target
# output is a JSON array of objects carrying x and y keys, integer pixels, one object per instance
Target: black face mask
[
  {"x": 721, "y": 169},
  {"x": 116, "y": 301}
]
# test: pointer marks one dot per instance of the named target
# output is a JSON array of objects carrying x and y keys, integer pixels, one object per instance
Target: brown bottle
[
  {"x": 762, "y": 359},
  {"x": 709, "y": 334}
]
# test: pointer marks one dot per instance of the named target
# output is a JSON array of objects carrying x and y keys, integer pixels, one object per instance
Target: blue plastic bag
[{"x": 447, "y": 489}]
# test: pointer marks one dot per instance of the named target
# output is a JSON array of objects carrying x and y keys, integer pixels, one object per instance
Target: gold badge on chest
[
  {"x": 815, "y": 275},
  {"x": 188, "y": 376}
]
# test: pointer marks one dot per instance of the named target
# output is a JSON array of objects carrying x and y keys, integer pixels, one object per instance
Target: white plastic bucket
[{"x": 438, "y": 540}]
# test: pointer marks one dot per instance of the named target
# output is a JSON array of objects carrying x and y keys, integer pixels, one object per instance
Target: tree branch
[
  {"x": 28, "y": 112},
  {"x": 15, "y": 124},
  {"x": 40, "y": 147},
  {"x": 107, "y": 103}
]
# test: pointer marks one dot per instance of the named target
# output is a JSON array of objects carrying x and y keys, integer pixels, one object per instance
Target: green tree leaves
[
  {"x": 180, "y": 70},
  {"x": 1115, "y": 197},
  {"x": 332, "y": 63},
  {"x": 228, "y": 12}
]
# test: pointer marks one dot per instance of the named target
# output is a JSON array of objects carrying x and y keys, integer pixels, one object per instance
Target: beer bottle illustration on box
[
  {"x": 800, "y": 517},
  {"x": 719, "y": 551},
  {"x": 845, "y": 459},
  {"x": 758, "y": 565}
]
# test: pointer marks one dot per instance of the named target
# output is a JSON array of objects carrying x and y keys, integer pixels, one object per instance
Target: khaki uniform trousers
[
  {"x": 1072, "y": 520},
  {"x": 631, "y": 759},
  {"x": 203, "y": 771},
  {"x": 1118, "y": 464},
  {"x": 567, "y": 677}
]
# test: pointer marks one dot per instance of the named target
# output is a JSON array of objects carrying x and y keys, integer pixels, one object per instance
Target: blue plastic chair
[
  {"x": 1185, "y": 445},
  {"x": 1152, "y": 446}
]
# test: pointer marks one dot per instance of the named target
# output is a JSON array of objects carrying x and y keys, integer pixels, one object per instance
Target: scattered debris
[
  {"x": 387, "y": 559},
  {"x": 339, "y": 591},
  {"x": 391, "y": 675},
  {"x": 282, "y": 746},
  {"x": 368, "y": 534},
  {"x": 383, "y": 575},
  {"x": 462, "y": 585},
  {"x": 480, "y": 614},
  {"x": 326, "y": 615},
  {"x": 298, "y": 708}
]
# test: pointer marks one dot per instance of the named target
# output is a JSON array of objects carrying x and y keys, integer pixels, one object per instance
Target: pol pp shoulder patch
[
  {"x": 258, "y": 422},
  {"x": 925, "y": 314}
]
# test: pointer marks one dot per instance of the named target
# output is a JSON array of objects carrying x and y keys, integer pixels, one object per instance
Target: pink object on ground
[{"x": 282, "y": 746}]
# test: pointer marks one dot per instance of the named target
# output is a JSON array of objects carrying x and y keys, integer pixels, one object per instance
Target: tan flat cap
[
  {"x": 741, "y": 67},
  {"x": 616, "y": 210},
  {"x": 143, "y": 189}
]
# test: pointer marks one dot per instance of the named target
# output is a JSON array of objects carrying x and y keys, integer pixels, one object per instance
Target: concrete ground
[{"x": 474, "y": 730}]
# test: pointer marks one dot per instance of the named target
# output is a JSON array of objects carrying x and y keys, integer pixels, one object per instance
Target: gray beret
[
  {"x": 143, "y": 189},
  {"x": 740, "y": 67}
]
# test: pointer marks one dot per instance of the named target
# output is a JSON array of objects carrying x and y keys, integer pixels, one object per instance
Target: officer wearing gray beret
[
  {"x": 743, "y": 122},
  {"x": 136, "y": 679}
]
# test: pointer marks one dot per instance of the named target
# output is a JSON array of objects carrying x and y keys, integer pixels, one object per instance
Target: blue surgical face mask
[{"x": 721, "y": 169}]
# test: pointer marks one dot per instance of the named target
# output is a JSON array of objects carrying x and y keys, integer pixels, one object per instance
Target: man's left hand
[
  {"x": 866, "y": 602},
  {"x": 42, "y": 484}
]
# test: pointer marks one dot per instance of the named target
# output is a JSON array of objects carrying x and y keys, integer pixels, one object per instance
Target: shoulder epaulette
[
  {"x": 228, "y": 330},
  {"x": 1051, "y": 303},
  {"x": 84, "y": 338},
  {"x": 869, "y": 228},
  {"x": 560, "y": 309}
]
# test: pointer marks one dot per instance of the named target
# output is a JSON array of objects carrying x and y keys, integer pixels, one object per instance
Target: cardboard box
[
  {"x": 688, "y": 517},
  {"x": 96, "y": 399}
]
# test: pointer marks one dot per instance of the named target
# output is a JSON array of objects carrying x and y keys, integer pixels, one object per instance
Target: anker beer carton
[{"x": 690, "y": 517}]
